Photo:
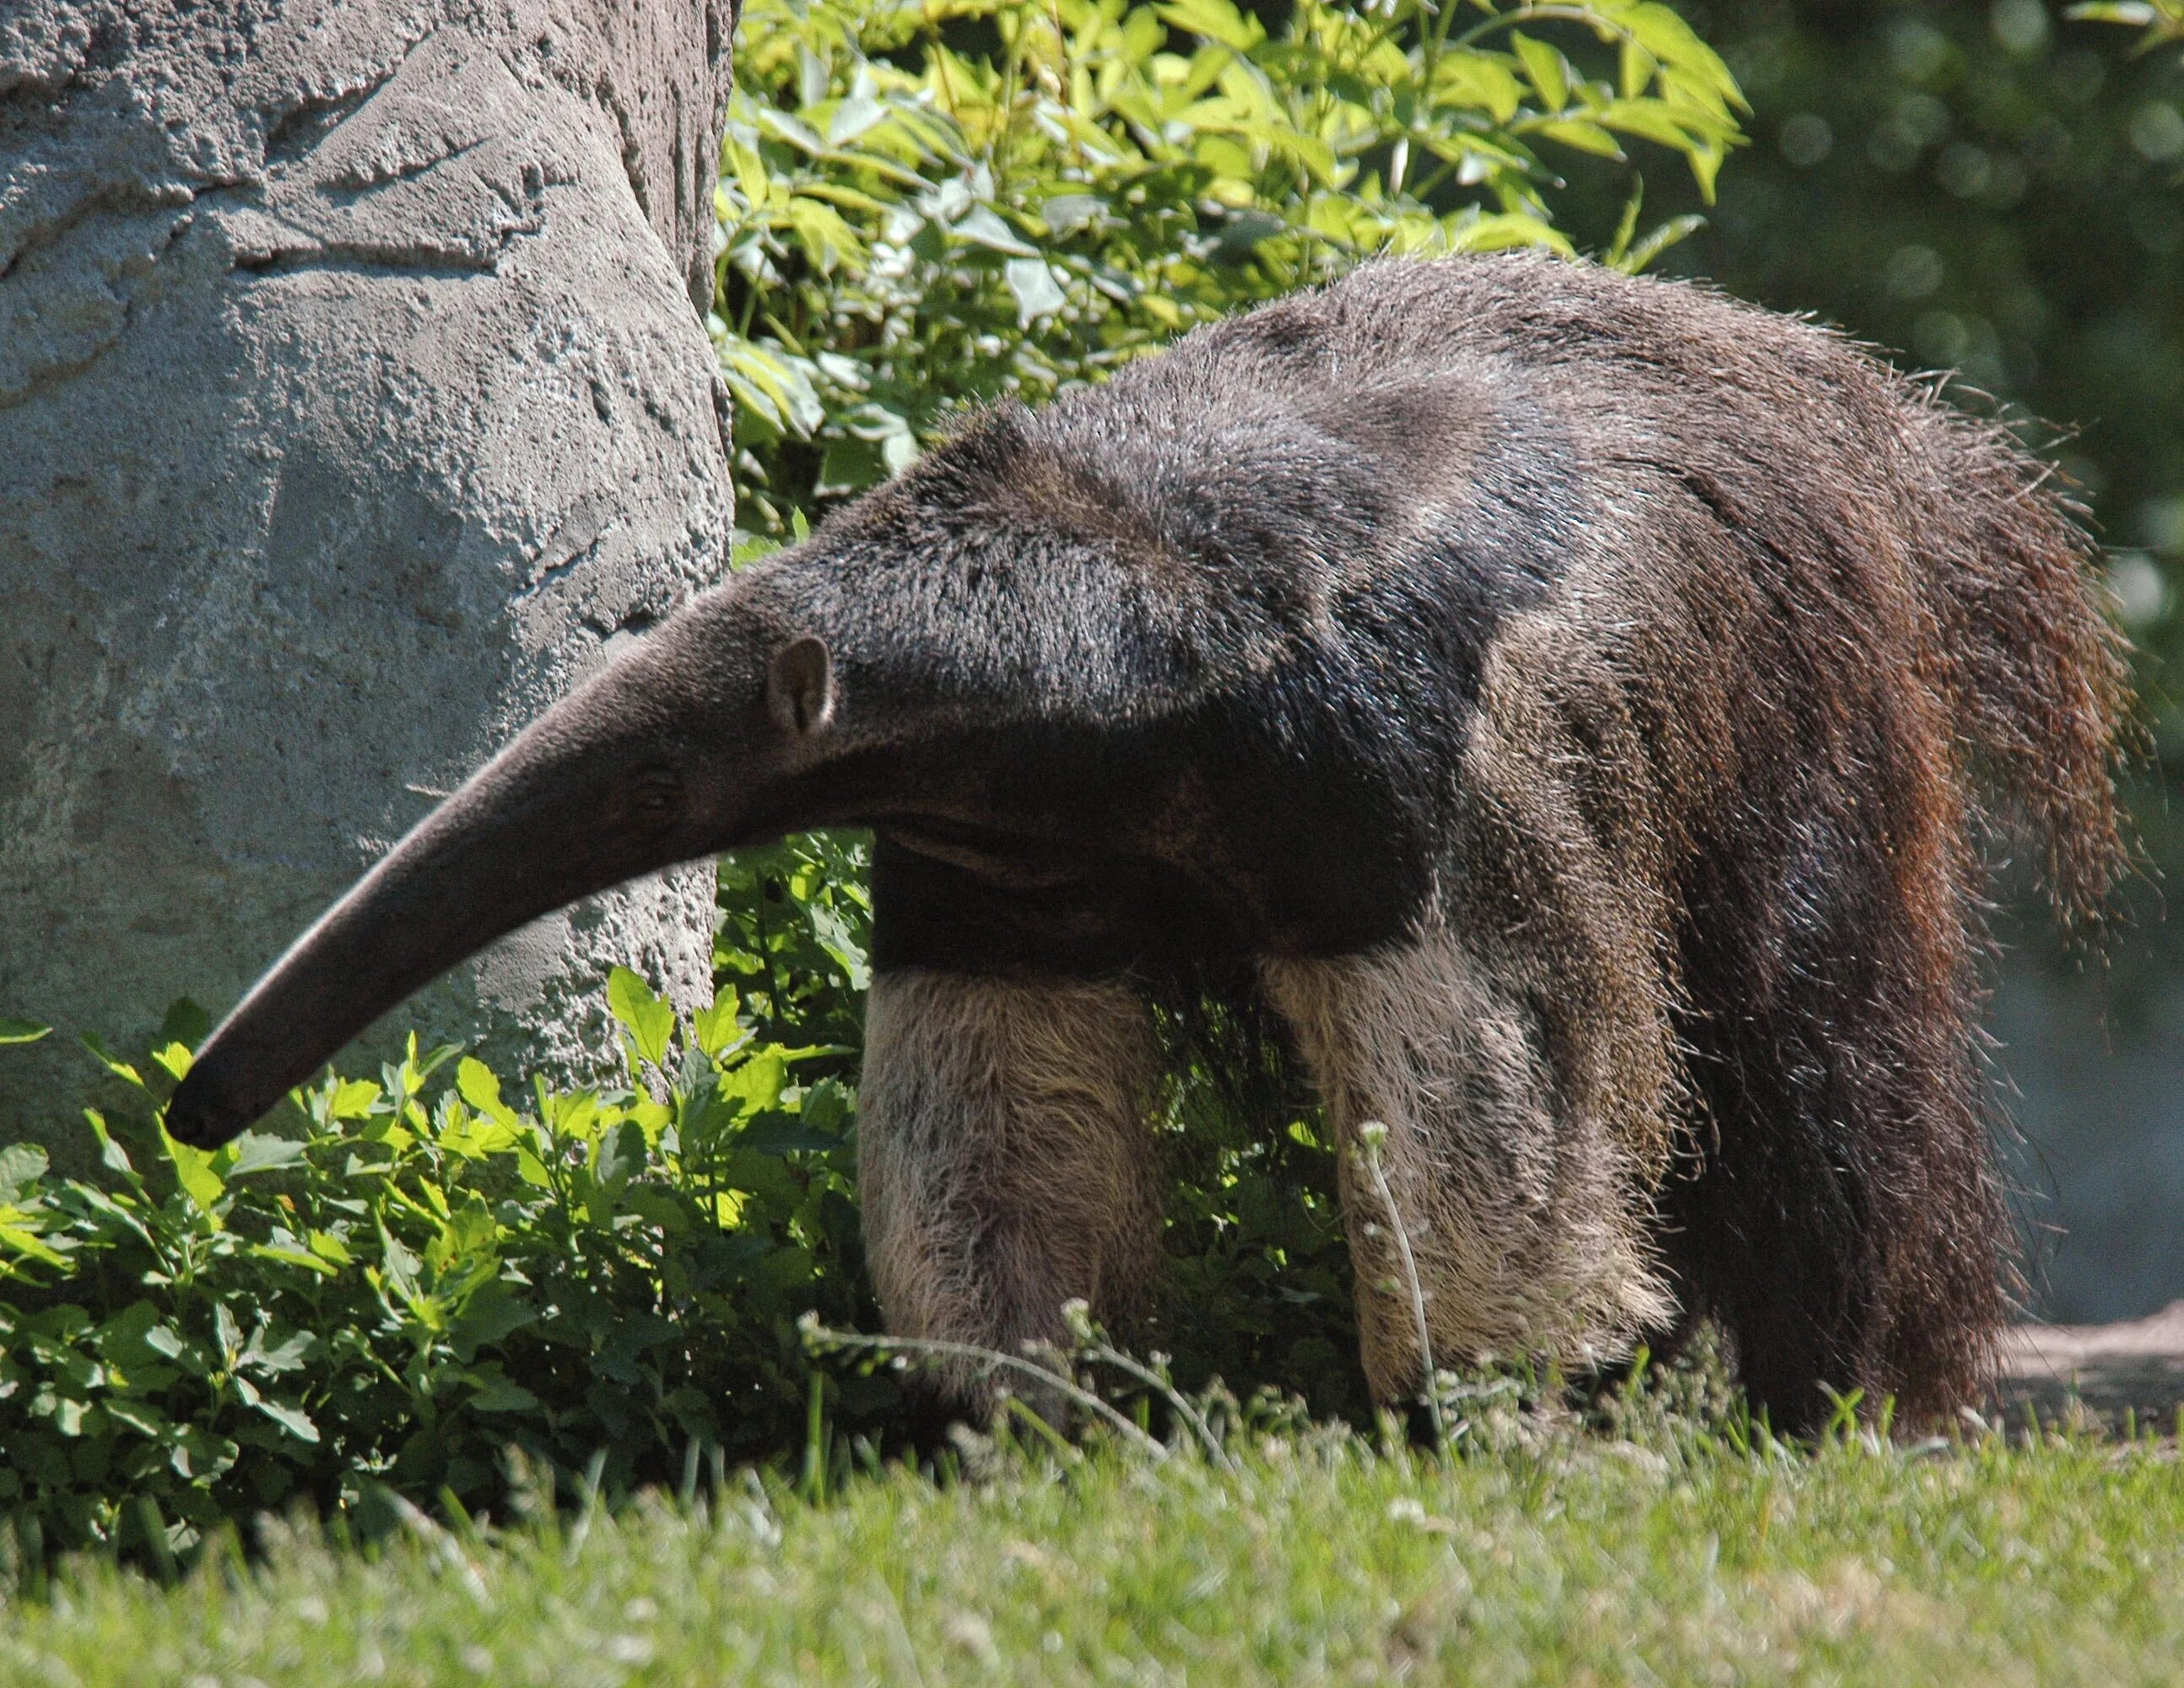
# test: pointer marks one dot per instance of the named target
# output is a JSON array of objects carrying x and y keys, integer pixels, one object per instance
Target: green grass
[{"x": 1319, "y": 1559}]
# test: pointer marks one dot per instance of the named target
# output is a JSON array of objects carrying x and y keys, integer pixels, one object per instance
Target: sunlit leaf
[{"x": 648, "y": 1019}]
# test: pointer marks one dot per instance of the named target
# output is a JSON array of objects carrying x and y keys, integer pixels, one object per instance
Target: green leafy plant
[
  {"x": 2162, "y": 20},
  {"x": 370, "y": 1305},
  {"x": 416, "y": 1274},
  {"x": 934, "y": 205}
]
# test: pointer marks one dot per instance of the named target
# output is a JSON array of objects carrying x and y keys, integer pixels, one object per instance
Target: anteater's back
[{"x": 1781, "y": 630}]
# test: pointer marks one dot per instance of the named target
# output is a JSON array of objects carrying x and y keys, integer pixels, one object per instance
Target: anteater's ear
[{"x": 799, "y": 687}]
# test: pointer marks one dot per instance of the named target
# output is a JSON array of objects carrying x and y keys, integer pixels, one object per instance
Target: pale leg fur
[
  {"x": 1006, "y": 1158},
  {"x": 1521, "y": 1212}
]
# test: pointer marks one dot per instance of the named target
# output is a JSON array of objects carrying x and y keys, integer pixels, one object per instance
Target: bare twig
[
  {"x": 1094, "y": 1346},
  {"x": 1371, "y": 1136},
  {"x": 987, "y": 1360}
]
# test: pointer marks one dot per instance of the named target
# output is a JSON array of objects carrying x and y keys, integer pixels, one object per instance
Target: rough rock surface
[{"x": 354, "y": 402}]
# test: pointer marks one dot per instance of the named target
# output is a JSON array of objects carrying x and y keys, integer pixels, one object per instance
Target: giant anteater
[{"x": 1576, "y": 703}]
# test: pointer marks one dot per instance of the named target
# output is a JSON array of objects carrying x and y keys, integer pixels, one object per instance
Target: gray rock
[{"x": 354, "y": 402}]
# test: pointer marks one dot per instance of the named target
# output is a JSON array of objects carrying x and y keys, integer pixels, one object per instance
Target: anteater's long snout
[{"x": 656, "y": 761}]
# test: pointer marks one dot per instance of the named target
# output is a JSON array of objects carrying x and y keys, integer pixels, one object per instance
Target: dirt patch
[{"x": 2134, "y": 1369}]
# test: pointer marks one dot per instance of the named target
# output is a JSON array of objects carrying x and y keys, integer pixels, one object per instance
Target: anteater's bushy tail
[{"x": 2030, "y": 657}]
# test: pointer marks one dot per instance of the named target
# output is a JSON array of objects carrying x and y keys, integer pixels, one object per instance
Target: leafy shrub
[
  {"x": 419, "y": 1273},
  {"x": 413, "y": 1275},
  {"x": 930, "y": 205}
]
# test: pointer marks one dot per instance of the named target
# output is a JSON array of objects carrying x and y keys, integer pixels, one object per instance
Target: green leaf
[
  {"x": 479, "y": 1085},
  {"x": 1037, "y": 294},
  {"x": 1658, "y": 240},
  {"x": 21, "y": 1165},
  {"x": 286, "y": 1256},
  {"x": 287, "y": 1354},
  {"x": 713, "y": 1028},
  {"x": 106, "y": 1058},
  {"x": 289, "y": 1417},
  {"x": 140, "y": 1416},
  {"x": 784, "y": 1133},
  {"x": 200, "y": 1457},
  {"x": 1066, "y": 213},
  {"x": 495, "y": 1393},
  {"x": 647, "y": 1019},
  {"x": 257, "y": 1151},
  {"x": 757, "y": 1083},
  {"x": 111, "y": 1154},
  {"x": 491, "y": 1315},
  {"x": 620, "y": 1155},
  {"x": 849, "y": 466},
  {"x": 1574, "y": 131},
  {"x": 352, "y": 1099},
  {"x": 185, "y": 1022},
  {"x": 1548, "y": 70},
  {"x": 193, "y": 1171},
  {"x": 22, "y": 1031},
  {"x": 329, "y": 1248},
  {"x": 982, "y": 225},
  {"x": 1215, "y": 19}
]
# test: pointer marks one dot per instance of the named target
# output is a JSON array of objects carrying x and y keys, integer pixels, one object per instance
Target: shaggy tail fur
[{"x": 2036, "y": 673}]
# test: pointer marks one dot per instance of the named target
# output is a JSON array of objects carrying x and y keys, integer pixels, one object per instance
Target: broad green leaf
[
  {"x": 495, "y": 1393},
  {"x": 329, "y": 1248},
  {"x": 257, "y": 1151},
  {"x": 1037, "y": 294},
  {"x": 352, "y": 1099},
  {"x": 618, "y": 1156},
  {"x": 289, "y": 1417},
  {"x": 140, "y": 1416},
  {"x": 648, "y": 1019},
  {"x": 21, "y": 1165},
  {"x": 21, "y": 1031},
  {"x": 1548, "y": 70},
  {"x": 713, "y": 1028},
  {"x": 492, "y": 1314},
  {"x": 194, "y": 1173},
  {"x": 984, "y": 226},
  {"x": 1216, "y": 21},
  {"x": 1475, "y": 79},
  {"x": 25, "y": 1244},
  {"x": 479, "y": 1085},
  {"x": 757, "y": 1082},
  {"x": 184, "y": 1023}
]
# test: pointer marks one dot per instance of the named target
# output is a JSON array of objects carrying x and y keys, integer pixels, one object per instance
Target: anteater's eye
[{"x": 655, "y": 792}]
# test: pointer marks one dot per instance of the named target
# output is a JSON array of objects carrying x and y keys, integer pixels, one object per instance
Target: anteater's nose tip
[{"x": 199, "y": 1114}]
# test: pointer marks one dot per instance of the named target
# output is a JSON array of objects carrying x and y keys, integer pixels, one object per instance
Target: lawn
[{"x": 1557, "y": 1556}]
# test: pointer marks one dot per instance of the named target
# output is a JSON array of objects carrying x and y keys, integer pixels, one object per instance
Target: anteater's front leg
[{"x": 1006, "y": 1158}]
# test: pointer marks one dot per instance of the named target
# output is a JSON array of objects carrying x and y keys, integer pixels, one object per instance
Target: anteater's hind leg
[
  {"x": 1524, "y": 1224},
  {"x": 1005, "y": 1160},
  {"x": 1843, "y": 1220}
]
